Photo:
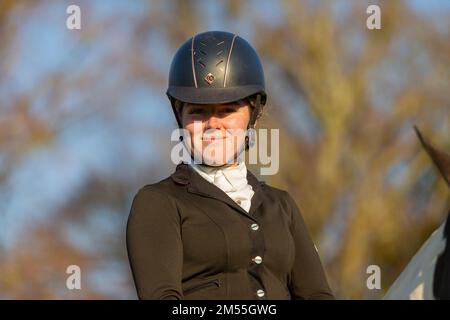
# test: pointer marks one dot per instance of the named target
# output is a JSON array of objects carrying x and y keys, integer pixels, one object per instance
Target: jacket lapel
[{"x": 196, "y": 184}]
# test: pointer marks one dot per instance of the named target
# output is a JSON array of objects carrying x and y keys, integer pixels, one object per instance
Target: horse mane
[{"x": 440, "y": 158}]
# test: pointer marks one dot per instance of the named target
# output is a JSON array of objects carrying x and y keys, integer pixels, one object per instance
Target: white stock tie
[{"x": 232, "y": 180}]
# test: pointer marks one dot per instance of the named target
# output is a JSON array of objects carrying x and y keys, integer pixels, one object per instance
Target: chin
[
  {"x": 216, "y": 162},
  {"x": 218, "y": 153}
]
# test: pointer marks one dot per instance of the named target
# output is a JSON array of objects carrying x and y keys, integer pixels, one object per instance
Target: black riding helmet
[{"x": 216, "y": 67}]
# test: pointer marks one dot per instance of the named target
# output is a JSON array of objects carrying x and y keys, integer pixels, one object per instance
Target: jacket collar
[{"x": 196, "y": 184}]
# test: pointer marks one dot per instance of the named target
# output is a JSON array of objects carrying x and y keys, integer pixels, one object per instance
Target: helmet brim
[{"x": 215, "y": 95}]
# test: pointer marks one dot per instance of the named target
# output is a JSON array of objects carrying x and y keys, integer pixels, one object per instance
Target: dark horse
[
  {"x": 441, "y": 279},
  {"x": 427, "y": 276}
]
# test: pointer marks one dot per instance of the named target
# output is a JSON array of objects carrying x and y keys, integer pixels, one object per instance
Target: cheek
[
  {"x": 195, "y": 130},
  {"x": 239, "y": 121}
]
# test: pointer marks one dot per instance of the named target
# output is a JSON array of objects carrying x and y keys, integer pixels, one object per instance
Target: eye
[
  {"x": 195, "y": 111},
  {"x": 229, "y": 110}
]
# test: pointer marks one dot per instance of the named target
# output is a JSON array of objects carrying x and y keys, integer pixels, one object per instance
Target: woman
[{"x": 212, "y": 230}]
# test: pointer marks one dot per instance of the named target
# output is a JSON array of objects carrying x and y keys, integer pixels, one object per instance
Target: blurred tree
[
  {"x": 361, "y": 175},
  {"x": 344, "y": 97}
]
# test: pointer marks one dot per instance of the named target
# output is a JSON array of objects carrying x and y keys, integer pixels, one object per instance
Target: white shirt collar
[{"x": 230, "y": 179}]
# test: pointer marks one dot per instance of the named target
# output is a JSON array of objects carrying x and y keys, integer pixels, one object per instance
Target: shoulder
[
  {"x": 161, "y": 189},
  {"x": 154, "y": 200},
  {"x": 273, "y": 190},
  {"x": 278, "y": 194},
  {"x": 288, "y": 203}
]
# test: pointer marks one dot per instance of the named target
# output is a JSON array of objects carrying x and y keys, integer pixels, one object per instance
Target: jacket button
[
  {"x": 254, "y": 226},
  {"x": 257, "y": 259},
  {"x": 260, "y": 293}
]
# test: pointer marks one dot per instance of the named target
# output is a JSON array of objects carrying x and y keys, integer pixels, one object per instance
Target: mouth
[{"x": 212, "y": 139}]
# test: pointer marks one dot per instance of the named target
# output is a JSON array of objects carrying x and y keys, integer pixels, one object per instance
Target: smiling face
[{"x": 217, "y": 131}]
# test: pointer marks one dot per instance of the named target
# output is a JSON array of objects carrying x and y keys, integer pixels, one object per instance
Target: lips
[{"x": 213, "y": 138}]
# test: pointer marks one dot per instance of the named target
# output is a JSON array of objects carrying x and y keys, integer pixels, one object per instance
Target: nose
[{"x": 213, "y": 122}]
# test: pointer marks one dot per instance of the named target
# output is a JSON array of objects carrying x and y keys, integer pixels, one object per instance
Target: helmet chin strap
[
  {"x": 254, "y": 115},
  {"x": 251, "y": 124},
  {"x": 175, "y": 112}
]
